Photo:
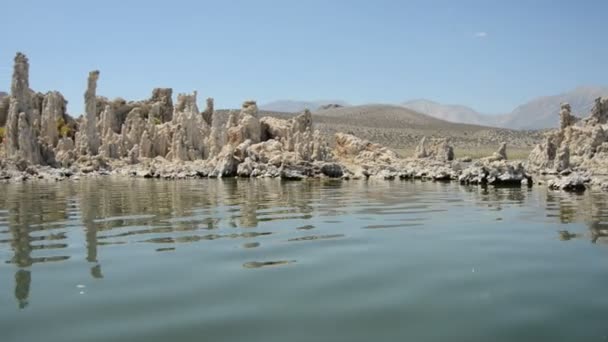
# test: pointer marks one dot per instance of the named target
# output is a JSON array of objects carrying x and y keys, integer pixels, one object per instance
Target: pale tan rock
[
  {"x": 267, "y": 152},
  {"x": 90, "y": 124},
  {"x": 250, "y": 123},
  {"x": 133, "y": 128},
  {"x": 53, "y": 110},
  {"x": 162, "y": 98},
  {"x": 500, "y": 154},
  {"x": 108, "y": 122},
  {"x": 438, "y": 149},
  {"x": 162, "y": 139},
  {"x": 421, "y": 149},
  {"x": 543, "y": 155},
  {"x": 11, "y": 139},
  {"x": 133, "y": 156},
  {"x": 28, "y": 143},
  {"x": 191, "y": 130},
  {"x": 562, "y": 158},
  {"x": 566, "y": 119},
  {"x": 64, "y": 152},
  {"x": 146, "y": 148},
  {"x": 351, "y": 148},
  {"x": 274, "y": 128}
]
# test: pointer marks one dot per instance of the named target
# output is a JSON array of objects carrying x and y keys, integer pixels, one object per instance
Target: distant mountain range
[
  {"x": 536, "y": 114},
  {"x": 292, "y": 106}
]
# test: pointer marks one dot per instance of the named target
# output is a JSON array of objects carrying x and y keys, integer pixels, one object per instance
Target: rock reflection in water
[
  {"x": 260, "y": 264},
  {"x": 42, "y": 222}
]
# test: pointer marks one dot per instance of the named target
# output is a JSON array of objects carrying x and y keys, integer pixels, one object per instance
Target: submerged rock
[{"x": 574, "y": 183}]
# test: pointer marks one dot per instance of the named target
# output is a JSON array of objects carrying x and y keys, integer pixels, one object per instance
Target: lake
[{"x": 268, "y": 260}]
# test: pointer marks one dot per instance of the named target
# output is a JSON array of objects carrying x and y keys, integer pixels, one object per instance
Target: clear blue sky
[{"x": 491, "y": 55}]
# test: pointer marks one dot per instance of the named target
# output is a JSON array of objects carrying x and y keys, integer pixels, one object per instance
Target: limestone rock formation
[
  {"x": 562, "y": 158},
  {"x": 269, "y": 146},
  {"x": 361, "y": 151},
  {"x": 496, "y": 173},
  {"x": 421, "y": 149},
  {"x": 156, "y": 137},
  {"x": 566, "y": 119},
  {"x": 577, "y": 144},
  {"x": 27, "y": 141},
  {"x": 162, "y": 102},
  {"x": 208, "y": 112},
  {"x": 500, "y": 154},
  {"x": 599, "y": 113},
  {"x": 190, "y": 132},
  {"x": 88, "y": 140},
  {"x": 52, "y": 116},
  {"x": 32, "y": 119},
  {"x": 439, "y": 149}
]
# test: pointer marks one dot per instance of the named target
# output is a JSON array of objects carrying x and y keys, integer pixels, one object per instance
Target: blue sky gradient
[{"x": 491, "y": 55}]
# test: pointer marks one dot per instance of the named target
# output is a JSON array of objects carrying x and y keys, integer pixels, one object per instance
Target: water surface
[{"x": 265, "y": 260}]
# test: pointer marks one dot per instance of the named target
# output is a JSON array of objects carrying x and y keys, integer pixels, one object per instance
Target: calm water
[{"x": 265, "y": 260}]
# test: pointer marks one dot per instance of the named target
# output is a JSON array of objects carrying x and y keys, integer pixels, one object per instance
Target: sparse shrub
[
  {"x": 63, "y": 129},
  {"x": 2, "y": 132}
]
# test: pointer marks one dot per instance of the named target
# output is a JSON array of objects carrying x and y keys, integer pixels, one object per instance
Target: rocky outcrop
[
  {"x": 208, "y": 112},
  {"x": 566, "y": 119},
  {"x": 161, "y": 104},
  {"x": 32, "y": 119},
  {"x": 437, "y": 149},
  {"x": 599, "y": 113},
  {"x": 52, "y": 117},
  {"x": 421, "y": 149},
  {"x": 87, "y": 139},
  {"x": 496, "y": 173},
  {"x": 577, "y": 144},
  {"x": 156, "y": 137},
  {"x": 500, "y": 154},
  {"x": 350, "y": 148},
  {"x": 265, "y": 147},
  {"x": 190, "y": 130}
]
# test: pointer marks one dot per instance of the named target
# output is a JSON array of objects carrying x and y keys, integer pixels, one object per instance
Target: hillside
[
  {"x": 542, "y": 112},
  {"x": 401, "y": 128},
  {"x": 291, "y": 106},
  {"x": 448, "y": 112}
]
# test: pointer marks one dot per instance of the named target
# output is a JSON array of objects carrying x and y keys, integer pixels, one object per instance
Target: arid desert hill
[{"x": 402, "y": 129}]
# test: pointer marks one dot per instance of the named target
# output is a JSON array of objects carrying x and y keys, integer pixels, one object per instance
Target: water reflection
[
  {"x": 51, "y": 222},
  {"x": 590, "y": 208}
]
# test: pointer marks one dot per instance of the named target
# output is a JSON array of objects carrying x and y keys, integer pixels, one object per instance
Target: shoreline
[
  {"x": 498, "y": 174},
  {"x": 155, "y": 138}
]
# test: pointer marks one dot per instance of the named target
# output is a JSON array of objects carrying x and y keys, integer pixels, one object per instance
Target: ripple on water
[{"x": 213, "y": 255}]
